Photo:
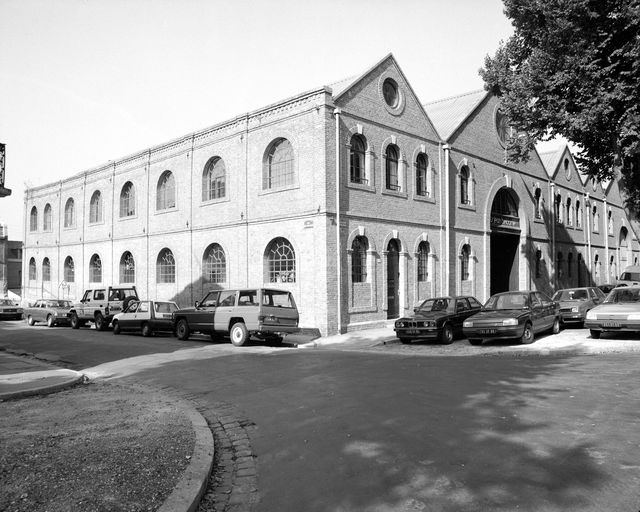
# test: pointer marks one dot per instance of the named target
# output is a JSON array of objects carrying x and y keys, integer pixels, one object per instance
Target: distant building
[
  {"x": 355, "y": 197},
  {"x": 10, "y": 264}
]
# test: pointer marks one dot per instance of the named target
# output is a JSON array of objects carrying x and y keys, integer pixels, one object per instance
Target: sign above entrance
[{"x": 505, "y": 223}]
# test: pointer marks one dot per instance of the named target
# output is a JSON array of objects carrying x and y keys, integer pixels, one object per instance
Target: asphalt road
[{"x": 377, "y": 430}]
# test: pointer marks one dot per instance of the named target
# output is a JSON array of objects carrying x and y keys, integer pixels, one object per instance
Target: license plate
[
  {"x": 611, "y": 324},
  {"x": 487, "y": 331},
  {"x": 413, "y": 331}
]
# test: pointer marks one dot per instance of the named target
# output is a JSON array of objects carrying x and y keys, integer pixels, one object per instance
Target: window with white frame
[
  {"x": 33, "y": 272},
  {"x": 46, "y": 270},
  {"x": 47, "y": 218},
  {"x": 359, "y": 248},
  {"x": 391, "y": 167},
  {"x": 214, "y": 179},
  {"x": 69, "y": 270},
  {"x": 166, "y": 192},
  {"x": 357, "y": 160},
  {"x": 127, "y": 268},
  {"x": 127, "y": 200},
  {"x": 465, "y": 195},
  {"x": 95, "y": 269},
  {"x": 423, "y": 261},
  {"x": 465, "y": 257},
  {"x": 69, "y": 213},
  {"x": 165, "y": 267},
  {"x": 280, "y": 262},
  {"x": 33, "y": 220},
  {"x": 422, "y": 175},
  {"x": 95, "y": 208},
  {"x": 214, "y": 264},
  {"x": 278, "y": 169},
  {"x": 537, "y": 197}
]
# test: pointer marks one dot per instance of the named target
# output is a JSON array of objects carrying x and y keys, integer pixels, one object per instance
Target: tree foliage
[{"x": 572, "y": 68}]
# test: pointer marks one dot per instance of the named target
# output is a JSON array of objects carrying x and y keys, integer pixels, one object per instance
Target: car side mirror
[{"x": 196, "y": 304}]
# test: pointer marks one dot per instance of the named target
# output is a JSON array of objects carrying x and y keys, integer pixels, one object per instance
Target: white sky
[{"x": 83, "y": 82}]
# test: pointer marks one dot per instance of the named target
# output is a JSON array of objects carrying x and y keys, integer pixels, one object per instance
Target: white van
[{"x": 630, "y": 276}]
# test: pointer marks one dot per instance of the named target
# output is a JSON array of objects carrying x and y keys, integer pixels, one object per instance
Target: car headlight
[
  {"x": 510, "y": 321},
  {"x": 399, "y": 324},
  {"x": 467, "y": 323},
  {"x": 634, "y": 316},
  {"x": 591, "y": 315},
  {"x": 575, "y": 309}
]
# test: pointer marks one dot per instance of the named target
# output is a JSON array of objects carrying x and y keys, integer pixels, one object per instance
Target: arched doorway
[
  {"x": 505, "y": 240},
  {"x": 393, "y": 279}
]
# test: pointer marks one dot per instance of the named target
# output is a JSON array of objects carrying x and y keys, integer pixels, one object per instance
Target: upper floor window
[
  {"x": 578, "y": 215},
  {"x": 95, "y": 208},
  {"x": 538, "y": 262},
  {"x": 69, "y": 270},
  {"x": 127, "y": 200},
  {"x": 214, "y": 264},
  {"x": 610, "y": 222},
  {"x": 69, "y": 213},
  {"x": 465, "y": 256},
  {"x": 558, "y": 205},
  {"x": 95, "y": 269},
  {"x": 359, "y": 259},
  {"x": 423, "y": 261},
  {"x": 165, "y": 267},
  {"x": 166, "y": 191},
  {"x": 570, "y": 264},
  {"x": 596, "y": 266},
  {"x": 391, "y": 167},
  {"x": 464, "y": 185},
  {"x": 278, "y": 170},
  {"x": 280, "y": 262},
  {"x": 422, "y": 180},
  {"x": 214, "y": 179},
  {"x": 127, "y": 268},
  {"x": 33, "y": 272},
  {"x": 559, "y": 264},
  {"x": 537, "y": 196},
  {"x": 569, "y": 210},
  {"x": 33, "y": 219},
  {"x": 357, "y": 160},
  {"x": 47, "y": 224},
  {"x": 46, "y": 270},
  {"x": 596, "y": 219}
]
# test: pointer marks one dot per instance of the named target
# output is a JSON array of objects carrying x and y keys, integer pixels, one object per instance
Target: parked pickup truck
[{"x": 262, "y": 312}]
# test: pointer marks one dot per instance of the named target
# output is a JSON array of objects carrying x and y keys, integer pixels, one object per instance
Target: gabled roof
[
  {"x": 448, "y": 114},
  {"x": 551, "y": 160}
]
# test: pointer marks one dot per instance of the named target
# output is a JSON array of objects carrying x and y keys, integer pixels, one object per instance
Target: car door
[
  {"x": 127, "y": 318},
  {"x": 537, "y": 311},
  {"x": 548, "y": 308},
  {"x": 203, "y": 318},
  {"x": 36, "y": 313},
  {"x": 463, "y": 311},
  {"x": 143, "y": 313},
  {"x": 224, "y": 312}
]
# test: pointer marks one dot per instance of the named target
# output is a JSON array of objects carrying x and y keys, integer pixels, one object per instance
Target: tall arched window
[
  {"x": 47, "y": 224},
  {"x": 33, "y": 219},
  {"x": 578, "y": 215},
  {"x": 570, "y": 265},
  {"x": 127, "y": 268},
  {"x": 464, "y": 185},
  {"x": 423, "y": 261},
  {"x": 569, "y": 209},
  {"x": 558, "y": 204},
  {"x": 610, "y": 222},
  {"x": 280, "y": 262},
  {"x": 69, "y": 213},
  {"x": 46, "y": 270},
  {"x": 95, "y": 208},
  {"x": 559, "y": 269},
  {"x": 69, "y": 270},
  {"x": 422, "y": 181},
  {"x": 612, "y": 268},
  {"x": 33, "y": 272},
  {"x": 359, "y": 259},
  {"x": 214, "y": 265},
  {"x": 357, "y": 170},
  {"x": 278, "y": 170},
  {"x": 214, "y": 179},
  {"x": 596, "y": 219},
  {"x": 391, "y": 168},
  {"x": 596, "y": 264},
  {"x": 165, "y": 267},
  {"x": 127, "y": 200},
  {"x": 537, "y": 197},
  {"x": 95, "y": 269},
  {"x": 465, "y": 256},
  {"x": 166, "y": 191},
  {"x": 538, "y": 262}
]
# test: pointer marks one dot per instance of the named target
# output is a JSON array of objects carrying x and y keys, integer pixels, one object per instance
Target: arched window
[
  {"x": 214, "y": 265},
  {"x": 422, "y": 181},
  {"x": 357, "y": 170},
  {"x": 166, "y": 191},
  {"x": 570, "y": 265},
  {"x": 278, "y": 170},
  {"x": 95, "y": 208},
  {"x": 69, "y": 214},
  {"x": 464, "y": 185},
  {"x": 596, "y": 219},
  {"x": 423, "y": 261},
  {"x": 69, "y": 270},
  {"x": 46, "y": 270},
  {"x": 538, "y": 262},
  {"x": 537, "y": 196},
  {"x": 214, "y": 179},
  {"x": 165, "y": 267},
  {"x": 569, "y": 216},
  {"x": 127, "y": 268},
  {"x": 47, "y": 224},
  {"x": 280, "y": 262},
  {"x": 596, "y": 264},
  {"x": 612, "y": 268},
  {"x": 558, "y": 208},
  {"x": 33, "y": 219},
  {"x": 359, "y": 259},
  {"x": 559, "y": 268},
  {"x": 610, "y": 222},
  {"x": 391, "y": 167},
  {"x": 127, "y": 200},
  {"x": 465, "y": 255},
  {"x": 95, "y": 269},
  {"x": 578, "y": 215},
  {"x": 33, "y": 272}
]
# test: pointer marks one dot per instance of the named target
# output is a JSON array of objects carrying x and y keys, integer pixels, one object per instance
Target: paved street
[{"x": 390, "y": 427}]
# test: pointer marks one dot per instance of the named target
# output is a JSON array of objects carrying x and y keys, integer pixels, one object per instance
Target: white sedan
[
  {"x": 145, "y": 316},
  {"x": 620, "y": 311}
]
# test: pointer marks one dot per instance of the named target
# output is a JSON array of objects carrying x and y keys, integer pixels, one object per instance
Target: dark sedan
[
  {"x": 439, "y": 318},
  {"x": 575, "y": 302},
  {"x": 519, "y": 315}
]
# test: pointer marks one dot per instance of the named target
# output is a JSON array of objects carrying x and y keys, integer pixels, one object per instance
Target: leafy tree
[{"x": 572, "y": 68}]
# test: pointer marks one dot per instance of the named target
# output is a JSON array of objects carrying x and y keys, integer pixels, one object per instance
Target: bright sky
[{"x": 83, "y": 82}]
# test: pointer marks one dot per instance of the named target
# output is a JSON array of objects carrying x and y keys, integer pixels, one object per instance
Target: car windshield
[
  {"x": 570, "y": 295},
  {"x": 507, "y": 301},
  {"x": 618, "y": 295},
  {"x": 165, "y": 307},
  {"x": 630, "y": 276},
  {"x": 435, "y": 305}
]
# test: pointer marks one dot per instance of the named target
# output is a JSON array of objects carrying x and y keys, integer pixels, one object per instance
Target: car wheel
[
  {"x": 406, "y": 341},
  {"x": 146, "y": 330},
  {"x": 475, "y": 341},
  {"x": 527, "y": 334},
  {"x": 99, "y": 321},
  {"x": 116, "y": 327},
  {"x": 595, "y": 334},
  {"x": 75, "y": 321},
  {"x": 30, "y": 320},
  {"x": 182, "y": 329},
  {"x": 50, "y": 321},
  {"x": 239, "y": 334},
  {"x": 555, "y": 328},
  {"x": 446, "y": 335}
]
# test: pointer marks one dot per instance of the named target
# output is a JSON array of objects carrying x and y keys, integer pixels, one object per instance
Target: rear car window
[{"x": 277, "y": 298}]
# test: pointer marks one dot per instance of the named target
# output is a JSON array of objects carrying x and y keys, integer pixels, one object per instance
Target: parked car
[
  {"x": 10, "y": 310},
  {"x": 145, "y": 316},
  {"x": 520, "y": 314},
  {"x": 620, "y": 311},
  {"x": 575, "y": 302},
  {"x": 630, "y": 276},
  {"x": 51, "y": 311},
  {"x": 263, "y": 312},
  {"x": 438, "y": 318},
  {"x": 99, "y": 305}
]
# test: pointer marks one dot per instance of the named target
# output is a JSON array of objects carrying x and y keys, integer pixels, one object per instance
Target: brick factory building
[{"x": 428, "y": 205}]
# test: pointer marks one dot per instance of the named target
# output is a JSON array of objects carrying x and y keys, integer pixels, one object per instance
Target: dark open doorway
[
  {"x": 505, "y": 241},
  {"x": 393, "y": 279}
]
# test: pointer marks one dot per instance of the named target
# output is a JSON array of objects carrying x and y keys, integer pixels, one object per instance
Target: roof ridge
[{"x": 455, "y": 96}]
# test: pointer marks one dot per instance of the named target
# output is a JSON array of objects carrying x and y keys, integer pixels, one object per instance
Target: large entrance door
[
  {"x": 393, "y": 279},
  {"x": 505, "y": 241}
]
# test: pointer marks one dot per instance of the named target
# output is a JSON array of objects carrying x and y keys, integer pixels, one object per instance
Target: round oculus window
[{"x": 391, "y": 93}]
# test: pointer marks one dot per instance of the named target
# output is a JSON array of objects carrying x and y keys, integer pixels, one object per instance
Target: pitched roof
[
  {"x": 448, "y": 114},
  {"x": 551, "y": 159}
]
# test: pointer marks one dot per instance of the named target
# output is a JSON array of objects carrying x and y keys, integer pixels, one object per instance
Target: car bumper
[
  {"x": 492, "y": 332},
  {"x": 569, "y": 318},
  {"x": 13, "y": 315},
  {"x": 613, "y": 325},
  {"x": 424, "y": 333}
]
